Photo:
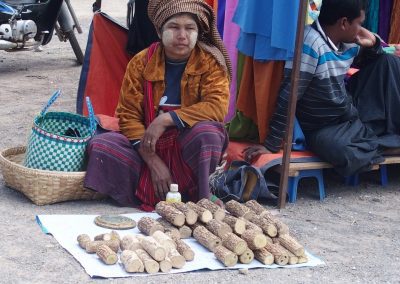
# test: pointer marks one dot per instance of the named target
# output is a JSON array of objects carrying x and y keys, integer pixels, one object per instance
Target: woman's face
[{"x": 179, "y": 37}]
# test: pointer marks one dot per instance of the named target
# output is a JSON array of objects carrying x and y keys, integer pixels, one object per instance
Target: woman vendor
[{"x": 173, "y": 100}]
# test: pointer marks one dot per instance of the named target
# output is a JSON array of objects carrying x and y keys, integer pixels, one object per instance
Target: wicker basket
[{"x": 40, "y": 186}]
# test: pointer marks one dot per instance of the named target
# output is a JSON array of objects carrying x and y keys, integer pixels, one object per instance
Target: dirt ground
[{"x": 355, "y": 230}]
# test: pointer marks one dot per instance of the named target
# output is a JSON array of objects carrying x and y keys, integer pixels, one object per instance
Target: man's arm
[{"x": 370, "y": 48}]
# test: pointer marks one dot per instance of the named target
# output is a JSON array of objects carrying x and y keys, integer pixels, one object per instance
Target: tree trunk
[
  {"x": 238, "y": 225},
  {"x": 218, "y": 212},
  {"x": 204, "y": 215},
  {"x": 170, "y": 213},
  {"x": 227, "y": 257},
  {"x": 218, "y": 228},
  {"x": 148, "y": 226},
  {"x": 190, "y": 215},
  {"x": 234, "y": 243},
  {"x": 206, "y": 238},
  {"x": 131, "y": 261},
  {"x": 237, "y": 209},
  {"x": 254, "y": 239},
  {"x": 264, "y": 256},
  {"x": 107, "y": 255},
  {"x": 150, "y": 265}
]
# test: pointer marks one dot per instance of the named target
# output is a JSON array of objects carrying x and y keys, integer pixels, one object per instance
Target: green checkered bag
[{"x": 58, "y": 140}]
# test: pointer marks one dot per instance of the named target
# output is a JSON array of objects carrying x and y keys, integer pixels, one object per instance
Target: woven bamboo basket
[{"x": 40, "y": 186}]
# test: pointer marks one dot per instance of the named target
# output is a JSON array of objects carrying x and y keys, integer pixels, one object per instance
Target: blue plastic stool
[
  {"x": 294, "y": 182},
  {"x": 354, "y": 180}
]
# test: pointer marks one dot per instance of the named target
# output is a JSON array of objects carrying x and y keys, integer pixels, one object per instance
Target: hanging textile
[
  {"x": 394, "y": 36},
  {"x": 257, "y": 37},
  {"x": 313, "y": 11},
  {"x": 231, "y": 35},
  {"x": 385, "y": 12},
  {"x": 221, "y": 17},
  {"x": 372, "y": 16},
  {"x": 259, "y": 87}
]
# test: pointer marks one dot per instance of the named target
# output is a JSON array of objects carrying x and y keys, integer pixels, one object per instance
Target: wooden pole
[{"x": 287, "y": 146}]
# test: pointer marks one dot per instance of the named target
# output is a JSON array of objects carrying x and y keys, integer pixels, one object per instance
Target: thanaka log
[
  {"x": 92, "y": 246},
  {"x": 131, "y": 261},
  {"x": 234, "y": 243},
  {"x": 170, "y": 213},
  {"x": 83, "y": 240},
  {"x": 190, "y": 215},
  {"x": 153, "y": 248},
  {"x": 302, "y": 259},
  {"x": 246, "y": 257},
  {"x": 291, "y": 244},
  {"x": 107, "y": 255},
  {"x": 204, "y": 215},
  {"x": 292, "y": 258},
  {"x": 177, "y": 260},
  {"x": 237, "y": 225},
  {"x": 237, "y": 209},
  {"x": 184, "y": 249},
  {"x": 218, "y": 228},
  {"x": 164, "y": 240},
  {"x": 252, "y": 226},
  {"x": 130, "y": 242},
  {"x": 206, "y": 238},
  {"x": 165, "y": 265},
  {"x": 148, "y": 226},
  {"x": 169, "y": 228},
  {"x": 264, "y": 256},
  {"x": 227, "y": 257},
  {"x": 267, "y": 227},
  {"x": 254, "y": 239},
  {"x": 217, "y": 212},
  {"x": 280, "y": 255},
  {"x": 150, "y": 265}
]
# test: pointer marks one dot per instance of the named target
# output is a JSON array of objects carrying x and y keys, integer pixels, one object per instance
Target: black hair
[{"x": 333, "y": 10}]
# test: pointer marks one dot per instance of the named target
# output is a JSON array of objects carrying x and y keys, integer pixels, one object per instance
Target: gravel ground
[{"x": 355, "y": 230}]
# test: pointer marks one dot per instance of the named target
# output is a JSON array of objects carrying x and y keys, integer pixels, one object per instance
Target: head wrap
[{"x": 159, "y": 11}]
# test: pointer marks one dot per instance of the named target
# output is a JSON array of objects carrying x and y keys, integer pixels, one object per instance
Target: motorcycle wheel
[{"x": 75, "y": 46}]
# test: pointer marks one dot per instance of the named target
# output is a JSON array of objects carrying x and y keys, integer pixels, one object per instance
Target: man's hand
[
  {"x": 253, "y": 152},
  {"x": 365, "y": 38},
  {"x": 160, "y": 174},
  {"x": 154, "y": 131}
]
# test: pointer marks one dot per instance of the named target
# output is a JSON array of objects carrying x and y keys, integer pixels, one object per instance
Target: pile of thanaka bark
[{"x": 248, "y": 231}]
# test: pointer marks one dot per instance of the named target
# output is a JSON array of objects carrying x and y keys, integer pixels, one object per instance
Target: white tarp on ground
[{"x": 65, "y": 229}]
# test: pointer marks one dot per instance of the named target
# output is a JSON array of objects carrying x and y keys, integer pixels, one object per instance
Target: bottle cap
[{"x": 173, "y": 187}]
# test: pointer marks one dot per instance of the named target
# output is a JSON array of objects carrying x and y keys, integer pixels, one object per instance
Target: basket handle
[
  {"x": 92, "y": 119},
  {"x": 53, "y": 98}
]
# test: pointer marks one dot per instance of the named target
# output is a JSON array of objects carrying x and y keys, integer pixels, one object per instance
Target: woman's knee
[{"x": 208, "y": 132}]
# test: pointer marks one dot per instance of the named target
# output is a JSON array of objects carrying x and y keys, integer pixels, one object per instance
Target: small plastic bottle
[{"x": 173, "y": 195}]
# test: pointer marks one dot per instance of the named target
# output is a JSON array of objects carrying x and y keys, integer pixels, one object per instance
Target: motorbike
[{"x": 30, "y": 24}]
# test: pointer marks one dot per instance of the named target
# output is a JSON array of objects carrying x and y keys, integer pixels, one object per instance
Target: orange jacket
[{"x": 204, "y": 90}]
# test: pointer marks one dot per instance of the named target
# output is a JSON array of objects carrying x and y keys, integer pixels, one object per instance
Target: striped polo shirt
[{"x": 322, "y": 97}]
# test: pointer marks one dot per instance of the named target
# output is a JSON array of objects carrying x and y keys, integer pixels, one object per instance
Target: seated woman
[{"x": 173, "y": 100}]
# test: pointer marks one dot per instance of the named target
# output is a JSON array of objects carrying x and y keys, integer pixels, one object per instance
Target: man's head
[
  {"x": 345, "y": 16},
  {"x": 179, "y": 35}
]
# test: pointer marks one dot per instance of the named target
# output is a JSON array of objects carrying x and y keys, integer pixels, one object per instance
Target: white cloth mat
[{"x": 65, "y": 229}]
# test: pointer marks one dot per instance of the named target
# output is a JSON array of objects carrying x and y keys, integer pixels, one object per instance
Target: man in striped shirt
[{"x": 352, "y": 129}]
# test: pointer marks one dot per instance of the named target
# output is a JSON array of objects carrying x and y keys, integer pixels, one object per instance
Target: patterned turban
[{"x": 160, "y": 11}]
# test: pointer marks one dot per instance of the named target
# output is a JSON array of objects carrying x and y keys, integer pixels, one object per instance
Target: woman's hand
[
  {"x": 160, "y": 174},
  {"x": 154, "y": 131},
  {"x": 365, "y": 38},
  {"x": 253, "y": 152}
]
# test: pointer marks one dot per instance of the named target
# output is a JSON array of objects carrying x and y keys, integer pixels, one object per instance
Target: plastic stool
[
  {"x": 354, "y": 180},
  {"x": 294, "y": 182}
]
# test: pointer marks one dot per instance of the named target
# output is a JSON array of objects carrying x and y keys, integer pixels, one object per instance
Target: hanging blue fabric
[
  {"x": 372, "y": 16},
  {"x": 221, "y": 17},
  {"x": 268, "y": 28}
]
